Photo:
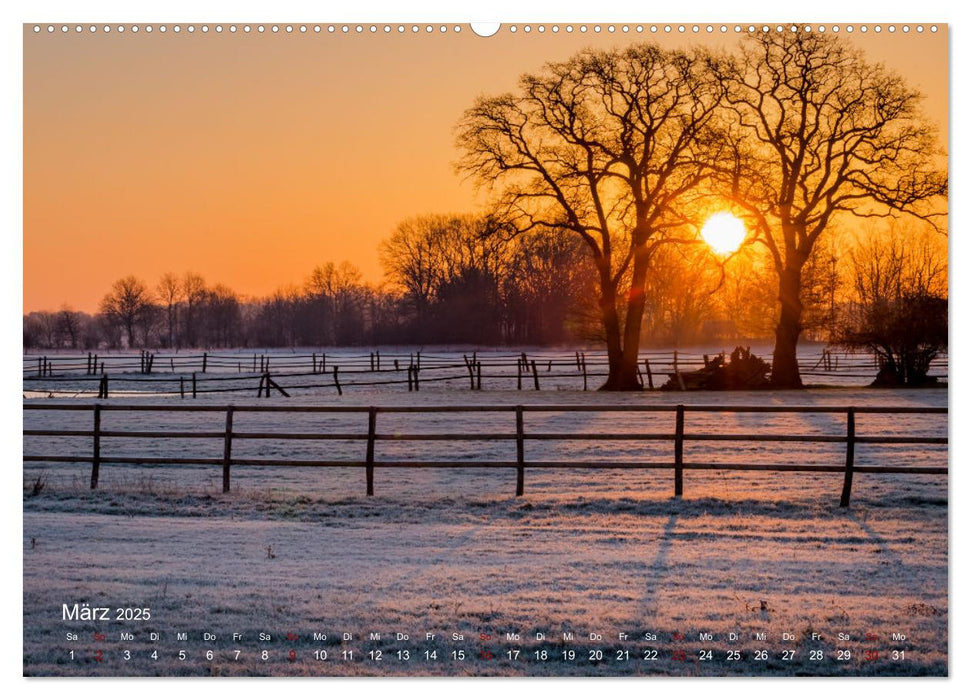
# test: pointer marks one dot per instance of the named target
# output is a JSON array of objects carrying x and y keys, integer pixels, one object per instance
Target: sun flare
[{"x": 724, "y": 232}]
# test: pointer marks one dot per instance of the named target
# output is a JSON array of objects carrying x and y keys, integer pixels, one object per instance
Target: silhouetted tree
[
  {"x": 193, "y": 288},
  {"x": 818, "y": 131},
  {"x": 69, "y": 327},
  {"x": 899, "y": 310},
  {"x": 449, "y": 269},
  {"x": 127, "y": 305},
  {"x": 607, "y": 145},
  {"x": 169, "y": 291}
]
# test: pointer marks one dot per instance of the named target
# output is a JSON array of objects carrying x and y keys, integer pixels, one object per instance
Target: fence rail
[
  {"x": 191, "y": 374},
  {"x": 370, "y": 437}
]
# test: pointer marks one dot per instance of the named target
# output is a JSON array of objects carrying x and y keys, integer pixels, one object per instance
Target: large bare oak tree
[
  {"x": 817, "y": 131},
  {"x": 607, "y": 145}
]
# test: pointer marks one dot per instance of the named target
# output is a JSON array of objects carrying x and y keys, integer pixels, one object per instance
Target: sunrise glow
[{"x": 723, "y": 232}]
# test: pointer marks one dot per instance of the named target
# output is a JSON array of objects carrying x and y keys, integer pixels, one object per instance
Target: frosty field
[{"x": 452, "y": 551}]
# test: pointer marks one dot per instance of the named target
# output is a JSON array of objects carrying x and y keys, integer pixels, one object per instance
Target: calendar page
[{"x": 551, "y": 349}]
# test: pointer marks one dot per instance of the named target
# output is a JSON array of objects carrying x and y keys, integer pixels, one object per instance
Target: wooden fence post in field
[
  {"x": 205, "y": 361},
  {"x": 520, "y": 452},
  {"x": 372, "y": 420},
  {"x": 535, "y": 376},
  {"x": 193, "y": 385},
  {"x": 679, "y": 453},
  {"x": 271, "y": 383},
  {"x": 377, "y": 359},
  {"x": 850, "y": 454},
  {"x": 39, "y": 366},
  {"x": 677, "y": 372},
  {"x": 583, "y": 361},
  {"x": 519, "y": 374},
  {"x": 478, "y": 375},
  {"x": 650, "y": 377},
  {"x": 182, "y": 387},
  {"x": 337, "y": 382},
  {"x": 417, "y": 388},
  {"x": 410, "y": 368},
  {"x": 96, "y": 447},
  {"x": 228, "y": 449}
]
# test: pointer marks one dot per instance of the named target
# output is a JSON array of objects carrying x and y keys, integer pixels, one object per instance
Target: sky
[{"x": 251, "y": 158}]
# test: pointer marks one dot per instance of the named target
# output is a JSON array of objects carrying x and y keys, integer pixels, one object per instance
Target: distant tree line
[{"x": 464, "y": 279}]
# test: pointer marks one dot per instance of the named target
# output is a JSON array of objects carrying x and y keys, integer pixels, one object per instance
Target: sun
[{"x": 724, "y": 232}]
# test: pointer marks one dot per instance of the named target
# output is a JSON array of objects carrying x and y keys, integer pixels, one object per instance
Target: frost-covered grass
[{"x": 443, "y": 551}]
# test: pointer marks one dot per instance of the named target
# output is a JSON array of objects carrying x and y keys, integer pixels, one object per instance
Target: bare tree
[
  {"x": 126, "y": 306},
  {"x": 69, "y": 325},
  {"x": 452, "y": 264},
  {"x": 169, "y": 291},
  {"x": 193, "y": 297},
  {"x": 819, "y": 132},
  {"x": 606, "y": 145},
  {"x": 899, "y": 305}
]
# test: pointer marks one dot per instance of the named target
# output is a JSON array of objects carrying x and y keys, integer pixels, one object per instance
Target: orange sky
[{"x": 252, "y": 158}]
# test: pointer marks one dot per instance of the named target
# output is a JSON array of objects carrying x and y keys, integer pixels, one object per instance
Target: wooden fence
[
  {"x": 371, "y": 437},
  {"x": 190, "y": 375}
]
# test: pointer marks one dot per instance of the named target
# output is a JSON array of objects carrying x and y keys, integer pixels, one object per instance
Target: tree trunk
[
  {"x": 785, "y": 366},
  {"x": 623, "y": 372},
  {"x": 611, "y": 324}
]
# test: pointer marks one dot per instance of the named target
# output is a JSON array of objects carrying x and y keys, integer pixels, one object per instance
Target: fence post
[
  {"x": 228, "y": 449},
  {"x": 520, "y": 452},
  {"x": 535, "y": 375},
  {"x": 337, "y": 382},
  {"x": 850, "y": 453},
  {"x": 679, "y": 453},
  {"x": 650, "y": 377},
  {"x": 193, "y": 385},
  {"x": 677, "y": 372},
  {"x": 519, "y": 374},
  {"x": 96, "y": 447},
  {"x": 478, "y": 375},
  {"x": 372, "y": 419},
  {"x": 583, "y": 361},
  {"x": 205, "y": 361}
]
